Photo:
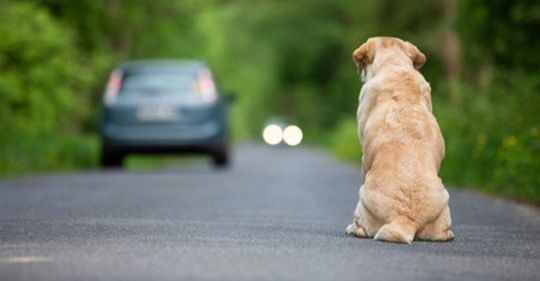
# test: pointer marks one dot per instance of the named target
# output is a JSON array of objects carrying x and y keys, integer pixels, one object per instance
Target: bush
[
  {"x": 492, "y": 137},
  {"x": 38, "y": 74},
  {"x": 344, "y": 141},
  {"x": 41, "y": 91}
]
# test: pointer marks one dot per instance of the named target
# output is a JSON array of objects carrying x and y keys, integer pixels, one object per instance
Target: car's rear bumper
[{"x": 165, "y": 138}]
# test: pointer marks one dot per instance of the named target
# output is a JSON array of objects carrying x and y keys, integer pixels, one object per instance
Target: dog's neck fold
[{"x": 382, "y": 61}]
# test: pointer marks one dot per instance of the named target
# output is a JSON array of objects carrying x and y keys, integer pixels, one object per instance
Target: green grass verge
[
  {"x": 145, "y": 162},
  {"x": 48, "y": 152}
]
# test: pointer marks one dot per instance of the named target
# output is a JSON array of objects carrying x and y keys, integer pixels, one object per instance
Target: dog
[{"x": 402, "y": 197}]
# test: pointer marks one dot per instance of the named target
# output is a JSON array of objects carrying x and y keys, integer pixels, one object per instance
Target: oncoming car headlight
[
  {"x": 292, "y": 135},
  {"x": 273, "y": 134}
]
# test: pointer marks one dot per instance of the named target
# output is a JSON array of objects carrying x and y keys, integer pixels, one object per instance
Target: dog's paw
[
  {"x": 443, "y": 236},
  {"x": 350, "y": 229},
  {"x": 450, "y": 235},
  {"x": 354, "y": 229}
]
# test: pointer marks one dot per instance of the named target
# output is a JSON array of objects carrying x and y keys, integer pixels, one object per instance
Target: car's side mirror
[{"x": 230, "y": 97}]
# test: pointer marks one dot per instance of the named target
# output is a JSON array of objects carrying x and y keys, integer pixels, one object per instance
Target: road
[{"x": 278, "y": 214}]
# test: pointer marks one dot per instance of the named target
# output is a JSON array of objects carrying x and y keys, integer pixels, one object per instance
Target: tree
[{"x": 39, "y": 72}]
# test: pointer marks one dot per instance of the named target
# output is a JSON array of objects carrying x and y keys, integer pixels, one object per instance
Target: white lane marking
[{"x": 25, "y": 259}]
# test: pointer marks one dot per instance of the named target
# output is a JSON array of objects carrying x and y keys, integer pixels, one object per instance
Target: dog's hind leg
[
  {"x": 439, "y": 230},
  {"x": 356, "y": 230},
  {"x": 360, "y": 222}
]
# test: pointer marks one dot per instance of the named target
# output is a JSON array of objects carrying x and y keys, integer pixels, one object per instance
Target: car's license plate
[{"x": 157, "y": 113}]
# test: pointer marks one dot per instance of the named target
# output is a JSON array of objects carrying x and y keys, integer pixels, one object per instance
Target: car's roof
[{"x": 163, "y": 65}]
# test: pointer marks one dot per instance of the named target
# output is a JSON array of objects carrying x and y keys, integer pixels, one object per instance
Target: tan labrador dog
[{"x": 402, "y": 197}]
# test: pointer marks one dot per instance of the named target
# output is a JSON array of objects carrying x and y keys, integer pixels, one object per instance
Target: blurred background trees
[{"x": 286, "y": 58}]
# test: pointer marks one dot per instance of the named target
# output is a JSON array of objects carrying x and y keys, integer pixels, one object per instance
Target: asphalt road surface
[{"x": 278, "y": 214}]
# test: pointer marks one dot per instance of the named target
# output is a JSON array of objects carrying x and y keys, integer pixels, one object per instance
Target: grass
[
  {"x": 145, "y": 162},
  {"x": 48, "y": 152}
]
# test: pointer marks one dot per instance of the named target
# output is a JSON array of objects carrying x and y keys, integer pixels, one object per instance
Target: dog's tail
[{"x": 400, "y": 230}]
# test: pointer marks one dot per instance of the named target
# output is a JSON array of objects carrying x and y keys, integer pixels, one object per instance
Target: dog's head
[{"x": 366, "y": 53}]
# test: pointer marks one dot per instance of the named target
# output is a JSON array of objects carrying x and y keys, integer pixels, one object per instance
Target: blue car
[{"x": 163, "y": 106}]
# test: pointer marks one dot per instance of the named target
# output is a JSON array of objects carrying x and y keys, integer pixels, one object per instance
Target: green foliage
[
  {"x": 48, "y": 152},
  {"x": 494, "y": 117},
  {"x": 42, "y": 89},
  {"x": 38, "y": 74},
  {"x": 344, "y": 141},
  {"x": 493, "y": 140},
  {"x": 501, "y": 32}
]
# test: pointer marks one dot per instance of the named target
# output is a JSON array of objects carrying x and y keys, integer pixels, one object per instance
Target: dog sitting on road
[{"x": 402, "y": 197}]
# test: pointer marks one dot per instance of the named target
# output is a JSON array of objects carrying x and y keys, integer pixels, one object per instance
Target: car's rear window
[{"x": 148, "y": 83}]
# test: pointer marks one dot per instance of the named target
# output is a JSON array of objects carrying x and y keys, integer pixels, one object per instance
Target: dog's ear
[
  {"x": 363, "y": 55},
  {"x": 418, "y": 58}
]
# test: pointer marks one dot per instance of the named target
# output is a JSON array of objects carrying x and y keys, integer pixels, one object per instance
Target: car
[{"x": 163, "y": 106}]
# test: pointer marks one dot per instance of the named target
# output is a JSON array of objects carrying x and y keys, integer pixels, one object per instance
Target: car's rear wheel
[
  {"x": 110, "y": 157},
  {"x": 220, "y": 158}
]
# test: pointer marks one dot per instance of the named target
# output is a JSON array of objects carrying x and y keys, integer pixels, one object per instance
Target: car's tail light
[
  {"x": 207, "y": 88},
  {"x": 113, "y": 87}
]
